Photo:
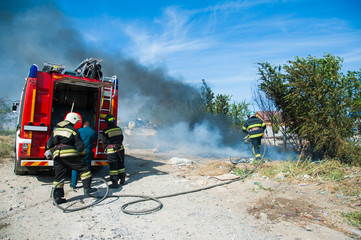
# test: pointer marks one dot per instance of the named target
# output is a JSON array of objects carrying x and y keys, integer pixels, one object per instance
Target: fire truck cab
[{"x": 48, "y": 95}]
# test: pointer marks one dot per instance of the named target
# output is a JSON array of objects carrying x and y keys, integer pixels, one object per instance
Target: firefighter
[
  {"x": 66, "y": 145},
  {"x": 254, "y": 127},
  {"x": 89, "y": 136},
  {"x": 112, "y": 139}
]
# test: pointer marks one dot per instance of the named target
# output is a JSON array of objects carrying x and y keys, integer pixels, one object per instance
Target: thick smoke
[{"x": 38, "y": 33}]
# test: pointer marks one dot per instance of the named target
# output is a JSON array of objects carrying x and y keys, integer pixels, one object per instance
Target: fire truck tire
[{"x": 18, "y": 170}]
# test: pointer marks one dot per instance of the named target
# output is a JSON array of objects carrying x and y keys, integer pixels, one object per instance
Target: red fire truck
[{"x": 47, "y": 97}]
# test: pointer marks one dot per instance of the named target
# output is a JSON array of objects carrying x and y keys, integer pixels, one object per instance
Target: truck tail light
[
  {"x": 26, "y": 134},
  {"x": 24, "y": 149}
]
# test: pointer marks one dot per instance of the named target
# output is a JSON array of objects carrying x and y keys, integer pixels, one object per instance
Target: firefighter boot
[
  {"x": 59, "y": 196},
  {"x": 122, "y": 178},
  {"x": 87, "y": 188},
  {"x": 114, "y": 179}
]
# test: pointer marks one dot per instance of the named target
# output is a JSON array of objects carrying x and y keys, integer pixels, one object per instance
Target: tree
[
  {"x": 316, "y": 100},
  {"x": 5, "y": 112},
  {"x": 220, "y": 104},
  {"x": 238, "y": 113},
  {"x": 207, "y": 97},
  {"x": 267, "y": 106}
]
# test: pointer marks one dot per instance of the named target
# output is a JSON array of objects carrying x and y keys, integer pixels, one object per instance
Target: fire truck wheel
[{"x": 18, "y": 170}]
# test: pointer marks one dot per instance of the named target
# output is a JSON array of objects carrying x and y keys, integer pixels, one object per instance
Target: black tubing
[
  {"x": 148, "y": 198},
  {"x": 83, "y": 207}
]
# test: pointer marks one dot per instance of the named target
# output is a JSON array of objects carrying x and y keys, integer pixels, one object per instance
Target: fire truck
[{"x": 48, "y": 95}]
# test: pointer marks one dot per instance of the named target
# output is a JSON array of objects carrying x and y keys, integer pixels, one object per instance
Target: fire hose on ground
[{"x": 149, "y": 198}]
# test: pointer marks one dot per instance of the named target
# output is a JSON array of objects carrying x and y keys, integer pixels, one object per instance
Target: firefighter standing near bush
[
  {"x": 112, "y": 139},
  {"x": 254, "y": 127},
  {"x": 66, "y": 145}
]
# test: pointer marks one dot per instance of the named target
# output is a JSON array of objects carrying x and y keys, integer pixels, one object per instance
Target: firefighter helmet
[
  {"x": 109, "y": 119},
  {"x": 252, "y": 114},
  {"x": 75, "y": 119}
]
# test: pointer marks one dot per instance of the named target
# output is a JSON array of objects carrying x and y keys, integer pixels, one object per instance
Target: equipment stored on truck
[{"x": 47, "y": 97}]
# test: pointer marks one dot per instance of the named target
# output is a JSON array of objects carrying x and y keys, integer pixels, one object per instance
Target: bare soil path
[{"x": 256, "y": 208}]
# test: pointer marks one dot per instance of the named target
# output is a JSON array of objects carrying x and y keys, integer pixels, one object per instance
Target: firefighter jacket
[
  {"x": 112, "y": 139},
  {"x": 254, "y": 126},
  {"x": 65, "y": 141}
]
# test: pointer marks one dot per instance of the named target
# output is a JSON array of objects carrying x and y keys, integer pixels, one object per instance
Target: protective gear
[
  {"x": 254, "y": 127},
  {"x": 90, "y": 190},
  {"x": 75, "y": 119},
  {"x": 48, "y": 154},
  {"x": 60, "y": 200},
  {"x": 109, "y": 119},
  {"x": 251, "y": 114},
  {"x": 66, "y": 143},
  {"x": 86, "y": 183},
  {"x": 114, "y": 185},
  {"x": 59, "y": 193},
  {"x": 246, "y": 139},
  {"x": 114, "y": 179},
  {"x": 122, "y": 178},
  {"x": 112, "y": 140}
]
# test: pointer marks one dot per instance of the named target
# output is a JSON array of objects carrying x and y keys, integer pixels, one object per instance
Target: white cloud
[
  {"x": 222, "y": 43},
  {"x": 167, "y": 35}
]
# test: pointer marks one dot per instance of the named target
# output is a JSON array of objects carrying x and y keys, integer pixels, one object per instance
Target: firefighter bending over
[
  {"x": 254, "y": 127},
  {"x": 112, "y": 140},
  {"x": 66, "y": 145}
]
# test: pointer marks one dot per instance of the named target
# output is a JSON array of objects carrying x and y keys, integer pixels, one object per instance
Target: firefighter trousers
[
  {"x": 256, "y": 147},
  {"x": 62, "y": 165},
  {"x": 88, "y": 160},
  {"x": 116, "y": 166}
]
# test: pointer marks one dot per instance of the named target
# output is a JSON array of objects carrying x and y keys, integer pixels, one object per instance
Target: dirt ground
[{"x": 254, "y": 208}]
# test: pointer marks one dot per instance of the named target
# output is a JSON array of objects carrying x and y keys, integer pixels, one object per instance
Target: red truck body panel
[{"x": 46, "y": 98}]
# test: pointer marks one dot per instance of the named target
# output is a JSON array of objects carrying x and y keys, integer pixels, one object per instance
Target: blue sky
[{"x": 220, "y": 41}]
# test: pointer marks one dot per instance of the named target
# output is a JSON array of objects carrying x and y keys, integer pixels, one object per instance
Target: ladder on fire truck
[{"x": 107, "y": 94}]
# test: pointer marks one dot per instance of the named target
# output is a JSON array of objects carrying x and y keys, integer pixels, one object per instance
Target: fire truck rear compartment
[{"x": 83, "y": 99}]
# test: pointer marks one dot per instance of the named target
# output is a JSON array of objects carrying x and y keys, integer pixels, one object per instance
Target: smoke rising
[{"x": 39, "y": 32}]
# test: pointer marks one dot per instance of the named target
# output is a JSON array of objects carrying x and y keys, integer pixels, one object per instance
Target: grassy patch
[
  {"x": 7, "y": 146},
  {"x": 339, "y": 178},
  {"x": 353, "y": 218},
  {"x": 240, "y": 171},
  {"x": 7, "y": 132},
  {"x": 343, "y": 179},
  {"x": 215, "y": 168}
]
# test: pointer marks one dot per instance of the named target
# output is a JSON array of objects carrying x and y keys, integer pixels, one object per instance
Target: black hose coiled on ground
[{"x": 149, "y": 198}]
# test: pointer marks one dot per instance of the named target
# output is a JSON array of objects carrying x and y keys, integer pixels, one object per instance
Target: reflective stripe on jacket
[
  {"x": 254, "y": 127},
  {"x": 65, "y": 141},
  {"x": 112, "y": 136}
]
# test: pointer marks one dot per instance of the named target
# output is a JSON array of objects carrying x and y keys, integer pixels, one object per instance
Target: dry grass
[
  {"x": 337, "y": 178},
  {"x": 215, "y": 168},
  {"x": 7, "y": 146}
]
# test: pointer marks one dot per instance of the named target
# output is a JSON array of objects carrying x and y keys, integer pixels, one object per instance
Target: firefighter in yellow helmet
[
  {"x": 112, "y": 139},
  {"x": 67, "y": 147},
  {"x": 254, "y": 127}
]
